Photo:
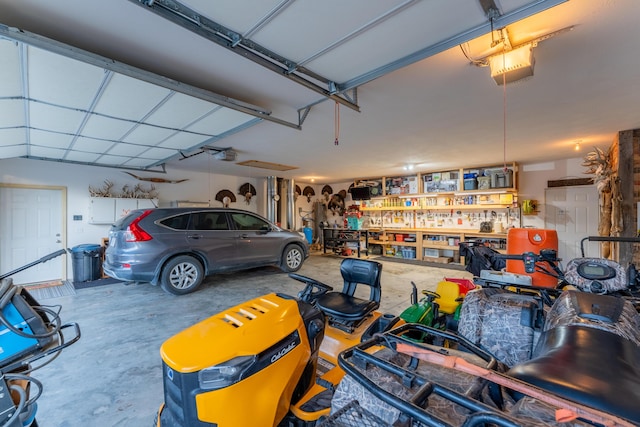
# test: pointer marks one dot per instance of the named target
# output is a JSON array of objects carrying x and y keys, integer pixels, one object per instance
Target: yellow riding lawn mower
[{"x": 271, "y": 361}]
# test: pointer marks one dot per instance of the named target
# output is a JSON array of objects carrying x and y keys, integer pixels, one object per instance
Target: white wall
[
  {"x": 532, "y": 181},
  {"x": 78, "y": 178}
]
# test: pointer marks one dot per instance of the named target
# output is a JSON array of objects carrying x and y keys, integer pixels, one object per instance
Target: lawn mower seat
[
  {"x": 344, "y": 307},
  {"x": 449, "y": 296}
]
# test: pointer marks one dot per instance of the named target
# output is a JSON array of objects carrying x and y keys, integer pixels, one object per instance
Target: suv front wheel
[
  {"x": 292, "y": 258},
  {"x": 181, "y": 275}
]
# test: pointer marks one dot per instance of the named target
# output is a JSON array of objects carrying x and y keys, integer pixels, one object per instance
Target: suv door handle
[
  {"x": 244, "y": 236},
  {"x": 194, "y": 236}
]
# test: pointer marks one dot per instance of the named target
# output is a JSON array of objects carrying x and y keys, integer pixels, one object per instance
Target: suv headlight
[{"x": 225, "y": 374}]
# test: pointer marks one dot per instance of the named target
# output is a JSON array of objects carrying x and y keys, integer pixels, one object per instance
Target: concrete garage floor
[{"x": 112, "y": 376}]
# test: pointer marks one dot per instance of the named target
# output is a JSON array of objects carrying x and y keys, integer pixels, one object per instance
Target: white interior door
[
  {"x": 30, "y": 228},
  {"x": 573, "y": 212}
]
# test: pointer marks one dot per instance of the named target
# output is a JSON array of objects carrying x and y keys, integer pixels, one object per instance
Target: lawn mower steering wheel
[
  {"x": 431, "y": 295},
  {"x": 313, "y": 290}
]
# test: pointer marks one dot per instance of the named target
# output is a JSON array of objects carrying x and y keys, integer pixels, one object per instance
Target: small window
[
  {"x": 209, "y": 221},
  {"x": 248, "y": 222},
  {"x": 178, "y": 222}
]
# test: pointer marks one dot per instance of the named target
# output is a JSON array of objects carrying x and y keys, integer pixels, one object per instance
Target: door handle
[
  {"x": 244, "y": 236},
  {"x": 194, "y": 236}
]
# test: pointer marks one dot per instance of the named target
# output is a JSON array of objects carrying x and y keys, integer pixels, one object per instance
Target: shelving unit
[
  {"x": 338, "y": 240},
  {"x": 433, "y": 244},
  {"x": 438, "y": 210}
]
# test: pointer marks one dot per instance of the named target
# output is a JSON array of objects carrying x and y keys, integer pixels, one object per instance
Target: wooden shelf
[{"x": 439, "y": 207}]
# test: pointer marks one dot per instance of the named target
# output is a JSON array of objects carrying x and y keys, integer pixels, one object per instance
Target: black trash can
[{"x": 87, "y": 262}]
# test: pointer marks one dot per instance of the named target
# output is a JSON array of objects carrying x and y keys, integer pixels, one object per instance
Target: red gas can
[{"x": 521, "y": 240}]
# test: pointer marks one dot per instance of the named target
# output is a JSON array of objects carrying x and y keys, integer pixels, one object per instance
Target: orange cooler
[{"x": 521, "y": 240}]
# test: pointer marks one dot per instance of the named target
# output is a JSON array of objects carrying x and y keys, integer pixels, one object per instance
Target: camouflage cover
[
  {"x": 527, "y": 412},
  {"x": 532, "y": 412},
  {"x": 617, "y": 283},
  {"x": 566, "y": 311},
  {"x": 349, "y": 390},
  {"x": 502, "y": 323}
]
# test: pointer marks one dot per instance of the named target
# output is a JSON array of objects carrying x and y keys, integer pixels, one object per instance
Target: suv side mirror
[{"x": 265, "y": 229}]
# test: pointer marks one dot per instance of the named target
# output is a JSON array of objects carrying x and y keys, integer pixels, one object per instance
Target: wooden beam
[
  {"x": 571, "y": 182},
  {"x": 625, "y": 173}
]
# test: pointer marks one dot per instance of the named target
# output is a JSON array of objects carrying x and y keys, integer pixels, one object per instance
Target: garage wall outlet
[{"x": 77, "y": 217}]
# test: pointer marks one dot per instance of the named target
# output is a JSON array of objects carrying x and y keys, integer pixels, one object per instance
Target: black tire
[
  {"x": 292, "y": 259},
  {"x": 181, "y": 275}
]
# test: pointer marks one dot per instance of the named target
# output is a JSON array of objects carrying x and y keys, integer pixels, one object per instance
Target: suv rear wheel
[
  {"x": 292, "y": 258},
  {"x": 181, "y": 275}
]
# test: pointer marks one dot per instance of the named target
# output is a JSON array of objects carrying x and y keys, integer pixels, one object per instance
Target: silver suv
[{"x": 178, "y": 247}]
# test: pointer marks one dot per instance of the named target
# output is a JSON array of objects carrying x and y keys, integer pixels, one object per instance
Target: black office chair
[{"x": 345, "y": 310}]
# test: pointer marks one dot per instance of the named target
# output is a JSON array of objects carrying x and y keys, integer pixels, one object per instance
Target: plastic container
[
  {"x": 470, "y": 184},
  {"x": 86, "y": 261},
  {"x": 308, "y": 234},
  {"x": 521, "y": 240}
]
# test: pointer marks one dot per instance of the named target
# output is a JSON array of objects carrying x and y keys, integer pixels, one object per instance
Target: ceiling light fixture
[
  {"x": 577, "y": 146},
  {"x": 512, "y": 65},
  {"x": 407, "y": 167}
]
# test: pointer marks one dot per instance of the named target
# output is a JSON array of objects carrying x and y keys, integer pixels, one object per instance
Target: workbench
[{"x": 337, "y": 239}]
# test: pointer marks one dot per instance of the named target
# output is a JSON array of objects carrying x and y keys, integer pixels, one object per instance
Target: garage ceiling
[{"x": 400, "y": 82}]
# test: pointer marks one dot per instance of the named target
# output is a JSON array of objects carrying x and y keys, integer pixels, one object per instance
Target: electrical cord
[
  {"x": 23, "y": 400},
  {"x": 7, "y": 292}
]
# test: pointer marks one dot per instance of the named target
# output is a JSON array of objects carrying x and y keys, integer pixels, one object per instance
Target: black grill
[{"x": 179, "y": 400}]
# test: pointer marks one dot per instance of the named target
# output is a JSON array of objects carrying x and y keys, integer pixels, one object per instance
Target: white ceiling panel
[
  {"x": 78, "y": 156},
  {"x": 128, "y": 150},
  {"x": 136, "y": 162},
  {"x": 130, "y": 98},
  {"x": 420, "y": 22},
  {"x": 46, "y": 152},
  {"x": 179, "y": 111},
  {"x": 12, "y": 136},
  {"x": 148, "y": 135},
  {"x": 221, "y": 121},
  {"x": 227, "y": 11},
  {"x": 183, "y": 141},
  {"x": 158, "y": 153},
  {"x": 108, "y": 160},
  {"x": 322, "y": 24},
  {"x": 62, "y": 81},
  {"x": 92, "y": 145},
  {"x": 11, "y": 112},
  {"x": 10, "y": 76},
  {"x": 51, "y": 139},
  {"x": 104, "y": 127},
  {"x": 13, "y": 151},
  {"x": 47, "y": 117}
]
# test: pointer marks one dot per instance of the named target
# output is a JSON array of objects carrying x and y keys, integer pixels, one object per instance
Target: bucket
[
  {"x": 308, "y": 234},
  {"x": 521, "y": 240}
]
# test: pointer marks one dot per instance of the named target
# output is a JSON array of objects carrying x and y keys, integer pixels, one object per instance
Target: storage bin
[
  {"x": 470, "y": 184},
  {"x": 399, "y": 237},
  {"x": 484, "y": 182},
  {"x": 431, "y": 253},
  {"x": 408, "y": 253},
  {"x": 502, "y": 179}
]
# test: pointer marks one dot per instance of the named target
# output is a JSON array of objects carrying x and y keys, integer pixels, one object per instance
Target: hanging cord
[
  {"x": 504, "y": 113},
  {"x": 336, "y": 119}
]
